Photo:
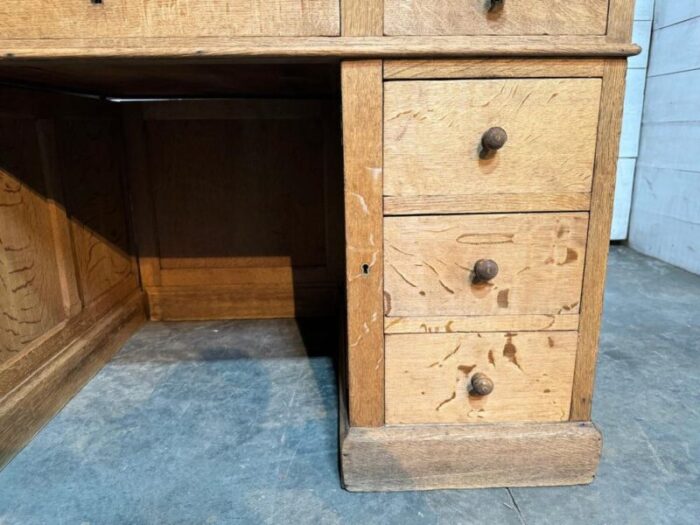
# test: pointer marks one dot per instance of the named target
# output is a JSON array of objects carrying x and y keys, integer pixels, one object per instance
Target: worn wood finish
[
  {"x": 503, "y": 202},
  {"x": 266, "y": 210},
  {"x": 428, "y": 377},
  {"x": 26, "y": 409},
  {"x": 204, "y": 48},
  {"x": 426, "y": 457},
  {"x": 620, "y": 19},
  {"x": 492, "y": 68},
  {"x": 609, "y": 125},
  {"x": 241, "y": 301},
  {"x": 362, "y": 17},
  {"x": 430, "y": 259},
  {"x": 433, "y": 132},
  {"x": 144, "y": 18},
  {"x": 32, "y": 300},
  {"x": 89, "y": 162},
  {"x": 479, "y": 323},
  {"x": 472, "y": 17},
  {"x": 362, "y": 143}
]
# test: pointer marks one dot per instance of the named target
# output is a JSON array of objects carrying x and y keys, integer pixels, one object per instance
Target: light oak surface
[
  {"x": 207, "y": 48},
  {"x": 430, "y": 260},
  {"x": 433, "y": 132},
  {"x": 493, "y": 68},
  {"x": 428, "y": 377},
  {"x": 160, "y": 18},
  {"x": 472, "y": 17},
  {"x": 479, "y": 323},
  {"x": 428, "y": 457},
  {"x": 609, "y": 128},
  {"x": 364, "y": 252}
]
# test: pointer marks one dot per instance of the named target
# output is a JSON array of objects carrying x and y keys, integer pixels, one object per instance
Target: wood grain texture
[
  {"x": 146, "y": 18},
  {"x": 31, "y": 295},
  {"x": 90, "y": 166},
  {"x": 240, "y": 301},
  {"x": 26, "y": 409},
  {"x": 429, "y": 264},
  {"x": 60, "y": 223},
  {"x": 362, "y": 17},
  {"x": 479, "y": 323},
  {"x": 502, "y": 202},
  {"x": 204, "y": 48},
  {"x": 620, "y": 17},
  {"x": 42, "y": 349},
  {"x": 609, "y": 125},
  {"x": 472, "y": 17},
  {"x": 267, "y": 215},
  {"x": 427, "y": 377},
  {"x": 433, "y": 133},
  {"x": 426, "y": 457},
  {"x": 492, "y": 68},
  {"x": 362, "y": 144}
]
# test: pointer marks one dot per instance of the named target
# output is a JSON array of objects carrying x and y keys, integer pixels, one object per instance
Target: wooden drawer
[
  {"x": 433, "y": 135},
  {"x": 429, "y": 263},
  {"x": 184, "y": 18},
  {"x": 473, "y": 17},
  {"x": 428, "y": 377}
]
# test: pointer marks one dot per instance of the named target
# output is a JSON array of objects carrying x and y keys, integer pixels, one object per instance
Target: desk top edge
[{"x": 314, "y": 47}]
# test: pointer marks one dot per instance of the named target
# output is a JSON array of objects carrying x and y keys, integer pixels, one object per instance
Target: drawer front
[
  {"x": 184, "y": 18},
  {"x": 474, "y": 17},
  {"x": 430, "y": 264},
  {"x": 430, "y": 378},
  {"x": 434, "y": 130}
]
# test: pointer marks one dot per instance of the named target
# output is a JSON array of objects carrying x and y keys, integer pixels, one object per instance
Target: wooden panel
[
  {"x": 237, "y": 192},
  {"x": 623, "y": 198},
  {"x": 89, "y": 163},
  {"x": 26, "y": 409},
  {"x": 479, "y": 323},
  {"x": 598, "y": 237},
  {"x": 362, "y": 17},
  {"x": 620, "y": 20},
  {"x": 240, "y": 301},
  {"x": 428, "y": 377},
  {"x": 511, "y": 202},
  {"x": 315, "y": 47},
  {"x": 492, "y": 68},
  {"x": 428, "y": 457},
  {"x": 472, "y": 17},
  {"x": 362, "y": 143},
  {"x": 433, "y": 133},
  {"x": 145, "y": 18},
  {"x": 31, "y": 297},
  {"x": 430, "y": 260}
]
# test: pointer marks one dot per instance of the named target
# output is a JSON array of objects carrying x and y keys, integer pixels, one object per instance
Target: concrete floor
[{"x": 231, "y": 422}]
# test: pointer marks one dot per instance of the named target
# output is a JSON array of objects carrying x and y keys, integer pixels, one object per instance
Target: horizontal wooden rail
[{"x": 314, "y": 47}]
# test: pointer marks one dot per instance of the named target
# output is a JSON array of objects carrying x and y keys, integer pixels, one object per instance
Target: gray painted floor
[{"x": 231, "y": 422}]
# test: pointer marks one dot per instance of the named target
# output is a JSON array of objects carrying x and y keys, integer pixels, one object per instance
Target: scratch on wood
[{"x": 454, "y": 395}]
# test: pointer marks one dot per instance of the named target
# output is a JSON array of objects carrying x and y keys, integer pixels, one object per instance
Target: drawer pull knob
[
  {"x": 480, "y": 385},
  {"x": 496, "y": 5},
  {"x": 485, "y": 270},
  {"x": 491, "y": 141}
]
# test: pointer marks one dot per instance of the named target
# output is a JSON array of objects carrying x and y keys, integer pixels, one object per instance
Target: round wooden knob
[
  {"x": 485, "y": 270},
  {"x": 496, "y": 5},
  {"x": 481, "y": 385},
  {"x": 493, "y": 140}
]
